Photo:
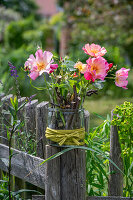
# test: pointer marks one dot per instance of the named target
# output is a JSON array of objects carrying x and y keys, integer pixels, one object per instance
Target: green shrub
[{"x": 14, "y": 32}]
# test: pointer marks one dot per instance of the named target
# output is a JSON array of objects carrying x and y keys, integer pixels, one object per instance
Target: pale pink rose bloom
[
  {"x": 97, "y": 68},
  {"x": 121, "y": 76},
  {"x": 31, "y": 61},
  {"x": 33, "y": 75},
  {"x": 94, "y": 50},
  {"x": 43, "y": 61},
  {"x": 40, "y": 64},
  {"x": 81, "y": 67}
]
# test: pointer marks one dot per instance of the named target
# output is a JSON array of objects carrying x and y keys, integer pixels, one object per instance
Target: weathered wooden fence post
[
  {"x": 109, "y": 198},
  {"x": 30, "y": 127},
  {"x": 41, "y": 124},
  {"x": 1, "y": 96},
  {"x": 30, "y": 117},
  {"x": 52, "y": 175},
  {"x": 66, "y": 175},
  {"x": 115, "y": 186},
  {"x": 5, "y": 103},
  {"x": 21, "y": 112}
]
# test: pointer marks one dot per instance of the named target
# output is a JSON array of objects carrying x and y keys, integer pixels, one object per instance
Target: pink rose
[
  {"x": 42, "y": 62},
  {"x": 97, "y": 69},
  {"x": 121, "y": 76},
  {"x": 94, "y": 50}
]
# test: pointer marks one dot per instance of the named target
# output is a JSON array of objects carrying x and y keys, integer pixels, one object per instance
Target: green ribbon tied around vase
[{"x": 66, "y": 137}]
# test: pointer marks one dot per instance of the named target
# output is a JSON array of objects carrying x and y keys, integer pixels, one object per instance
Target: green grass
[{"x": 102, "y": 106}]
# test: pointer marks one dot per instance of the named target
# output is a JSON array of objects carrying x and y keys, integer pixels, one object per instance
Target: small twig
[
  {"x": 59, "y": 98},
  {"x": 55, "y": 104},
  {"x": 75, "y": 93},
  {"x": 9, "y": 166},
  {"x": 90, "y": 92}
]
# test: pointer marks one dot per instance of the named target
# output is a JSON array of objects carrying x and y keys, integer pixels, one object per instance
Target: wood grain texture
[
  {"x": 41, "y": 125},
  {"x": 73, "y": 175},
  {"x": 30, "y": 116},
  {"x": 21, "y": 113},
  {"x": 115, "y": 186},
  {"x": 22, "y": 165},
  {"x": 1, "y": 96},
  {"x": 73, "y": 171},
  {"x": 38, "y": 197},
  {"x": 66, "y": 176},
  {"x": 20, "y": 116},
  {"x": 109, "y": 198},
  {"x": 30, "y": 127},
  {"x": 5, "y": 103},
  {"x": 52, "y": 173}
]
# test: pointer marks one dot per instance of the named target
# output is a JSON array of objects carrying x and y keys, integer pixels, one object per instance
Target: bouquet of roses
[{"x": 70, "y": 82}]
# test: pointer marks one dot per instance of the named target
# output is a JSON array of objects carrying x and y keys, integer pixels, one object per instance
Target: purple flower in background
[
  {"x": 13, "y": 70},
  {"x": 29, "y": 99}
]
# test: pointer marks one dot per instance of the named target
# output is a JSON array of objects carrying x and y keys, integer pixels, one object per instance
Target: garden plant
[{"x": 124, "y": 121}]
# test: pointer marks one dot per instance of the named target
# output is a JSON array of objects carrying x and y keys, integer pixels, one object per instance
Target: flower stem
[
  {"x": 46, "y": 83},
  {"x": 9, "y": 166}
]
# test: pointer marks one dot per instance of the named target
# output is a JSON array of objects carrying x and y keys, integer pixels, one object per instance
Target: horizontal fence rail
[
  {"x": 42, "y": 197},
  {"x": 22, "y": 165},
  {"x": 38, "y": 197},
  {"x": 109, "y": 198}
]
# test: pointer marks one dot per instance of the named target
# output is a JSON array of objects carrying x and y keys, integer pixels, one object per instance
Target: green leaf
[
  {"x": 97, "y": 185},
  {"x": 69, "y": 148},
  {"x": 8, "y": 133},
  {"x": 12, "y": 111},
  {"x": 16, "y": 103},
  {"x": 102, "y": 170},
  {"x": 12, "y": 102},
  {"x": 130, "y": 168},
  {"x": 17, "y": 125},
  {"x": 3, "y": 181},
  {"x": 38, "y": 88},
  {"x": 70, "y": 65},
  {"x": 20, "y": 107},
  {"x": 99, "y": 84},
  {"x": 100, "y": 116},
  {"x": 25, "y": 190}
]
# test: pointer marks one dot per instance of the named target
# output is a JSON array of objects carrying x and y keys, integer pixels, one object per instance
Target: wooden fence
[{"x": 62, "y": 178}]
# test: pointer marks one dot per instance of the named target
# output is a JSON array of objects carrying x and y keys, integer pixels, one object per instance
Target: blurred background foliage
[
  {"x": 107, "y": 22},
  {"x": 23, "y": 29}
]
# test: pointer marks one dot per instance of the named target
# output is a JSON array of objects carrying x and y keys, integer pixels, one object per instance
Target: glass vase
[{"x": 65, "y": 119}]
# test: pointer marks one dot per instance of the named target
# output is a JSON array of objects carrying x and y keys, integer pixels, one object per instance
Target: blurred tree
[
  {"x": 21, "y": 31},
  {"x": 108, "y": 23},
  {"x": 6, "y": 16},
  {"x": 25, "y": 7},
  {"x": 105, "y": 22}
]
